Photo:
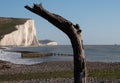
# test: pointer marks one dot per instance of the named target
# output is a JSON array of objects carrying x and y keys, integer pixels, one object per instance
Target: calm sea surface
[{"x": 101, "y": 53}]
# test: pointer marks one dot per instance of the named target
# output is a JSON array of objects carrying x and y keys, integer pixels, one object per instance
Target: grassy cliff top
[{"x": 7, "y": 25}]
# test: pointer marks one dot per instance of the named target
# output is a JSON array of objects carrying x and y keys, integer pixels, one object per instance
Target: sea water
[{"x": 101, "y": 53}]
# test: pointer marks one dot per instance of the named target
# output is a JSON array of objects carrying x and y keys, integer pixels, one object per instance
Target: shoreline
[
  {"x": 89, "y": 64},
  {"x": 7, "y": 68}
]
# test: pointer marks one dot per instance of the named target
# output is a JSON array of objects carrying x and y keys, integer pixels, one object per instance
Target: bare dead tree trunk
[{"x": 73, "y": 32}]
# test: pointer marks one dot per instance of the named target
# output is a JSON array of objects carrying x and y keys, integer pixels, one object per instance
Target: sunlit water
[{"x": 101, "y": 53}]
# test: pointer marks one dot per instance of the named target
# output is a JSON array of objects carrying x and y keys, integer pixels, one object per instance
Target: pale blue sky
[{"x": 98, "y": 19}]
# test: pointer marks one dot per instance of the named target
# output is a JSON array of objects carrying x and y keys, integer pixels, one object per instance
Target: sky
[{"x": 98, "y": 19}]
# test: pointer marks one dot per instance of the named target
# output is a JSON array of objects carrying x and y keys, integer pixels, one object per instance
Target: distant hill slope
[
  {"x": 7, "y": 25},
  {"x": 17, "y": 32}
]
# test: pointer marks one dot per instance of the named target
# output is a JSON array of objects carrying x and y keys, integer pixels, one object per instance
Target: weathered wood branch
[
  {"x": 73, "y": 32},
  {"x": 56, "y": 20}
]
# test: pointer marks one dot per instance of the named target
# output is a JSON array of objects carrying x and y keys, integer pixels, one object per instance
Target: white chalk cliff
[
  {"x": 47, "y": 42},
  {"x": 52, "y": 43},
  {"x": 24, "y": 35}
]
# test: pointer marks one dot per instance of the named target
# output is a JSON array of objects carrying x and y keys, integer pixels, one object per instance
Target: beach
[{"x": 7, "y": 68}]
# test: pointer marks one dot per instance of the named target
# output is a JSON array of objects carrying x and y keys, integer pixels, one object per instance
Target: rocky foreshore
[{"x": 56, "y": 66}]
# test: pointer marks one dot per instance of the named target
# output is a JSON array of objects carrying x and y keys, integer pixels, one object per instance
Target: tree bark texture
[{"x": 73, "y": 32}]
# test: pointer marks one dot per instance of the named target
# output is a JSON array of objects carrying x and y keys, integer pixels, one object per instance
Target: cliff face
[{"x": 23, "y": 34}]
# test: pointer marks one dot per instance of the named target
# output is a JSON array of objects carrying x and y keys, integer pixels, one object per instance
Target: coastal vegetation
[
  {"x": 7, "y": 25},
  {"x": 109, "y": 74},
  {"x": 45, "y": 75},
  {"x": 101, "y": 74}
]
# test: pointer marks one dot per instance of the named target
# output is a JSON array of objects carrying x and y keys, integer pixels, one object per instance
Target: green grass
[
  {"x": 27, "y": 76},
  {"x": 7, "y": 25},
  {"x": 105, "y": 74},
  {"x": 60, "y": 74}
]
